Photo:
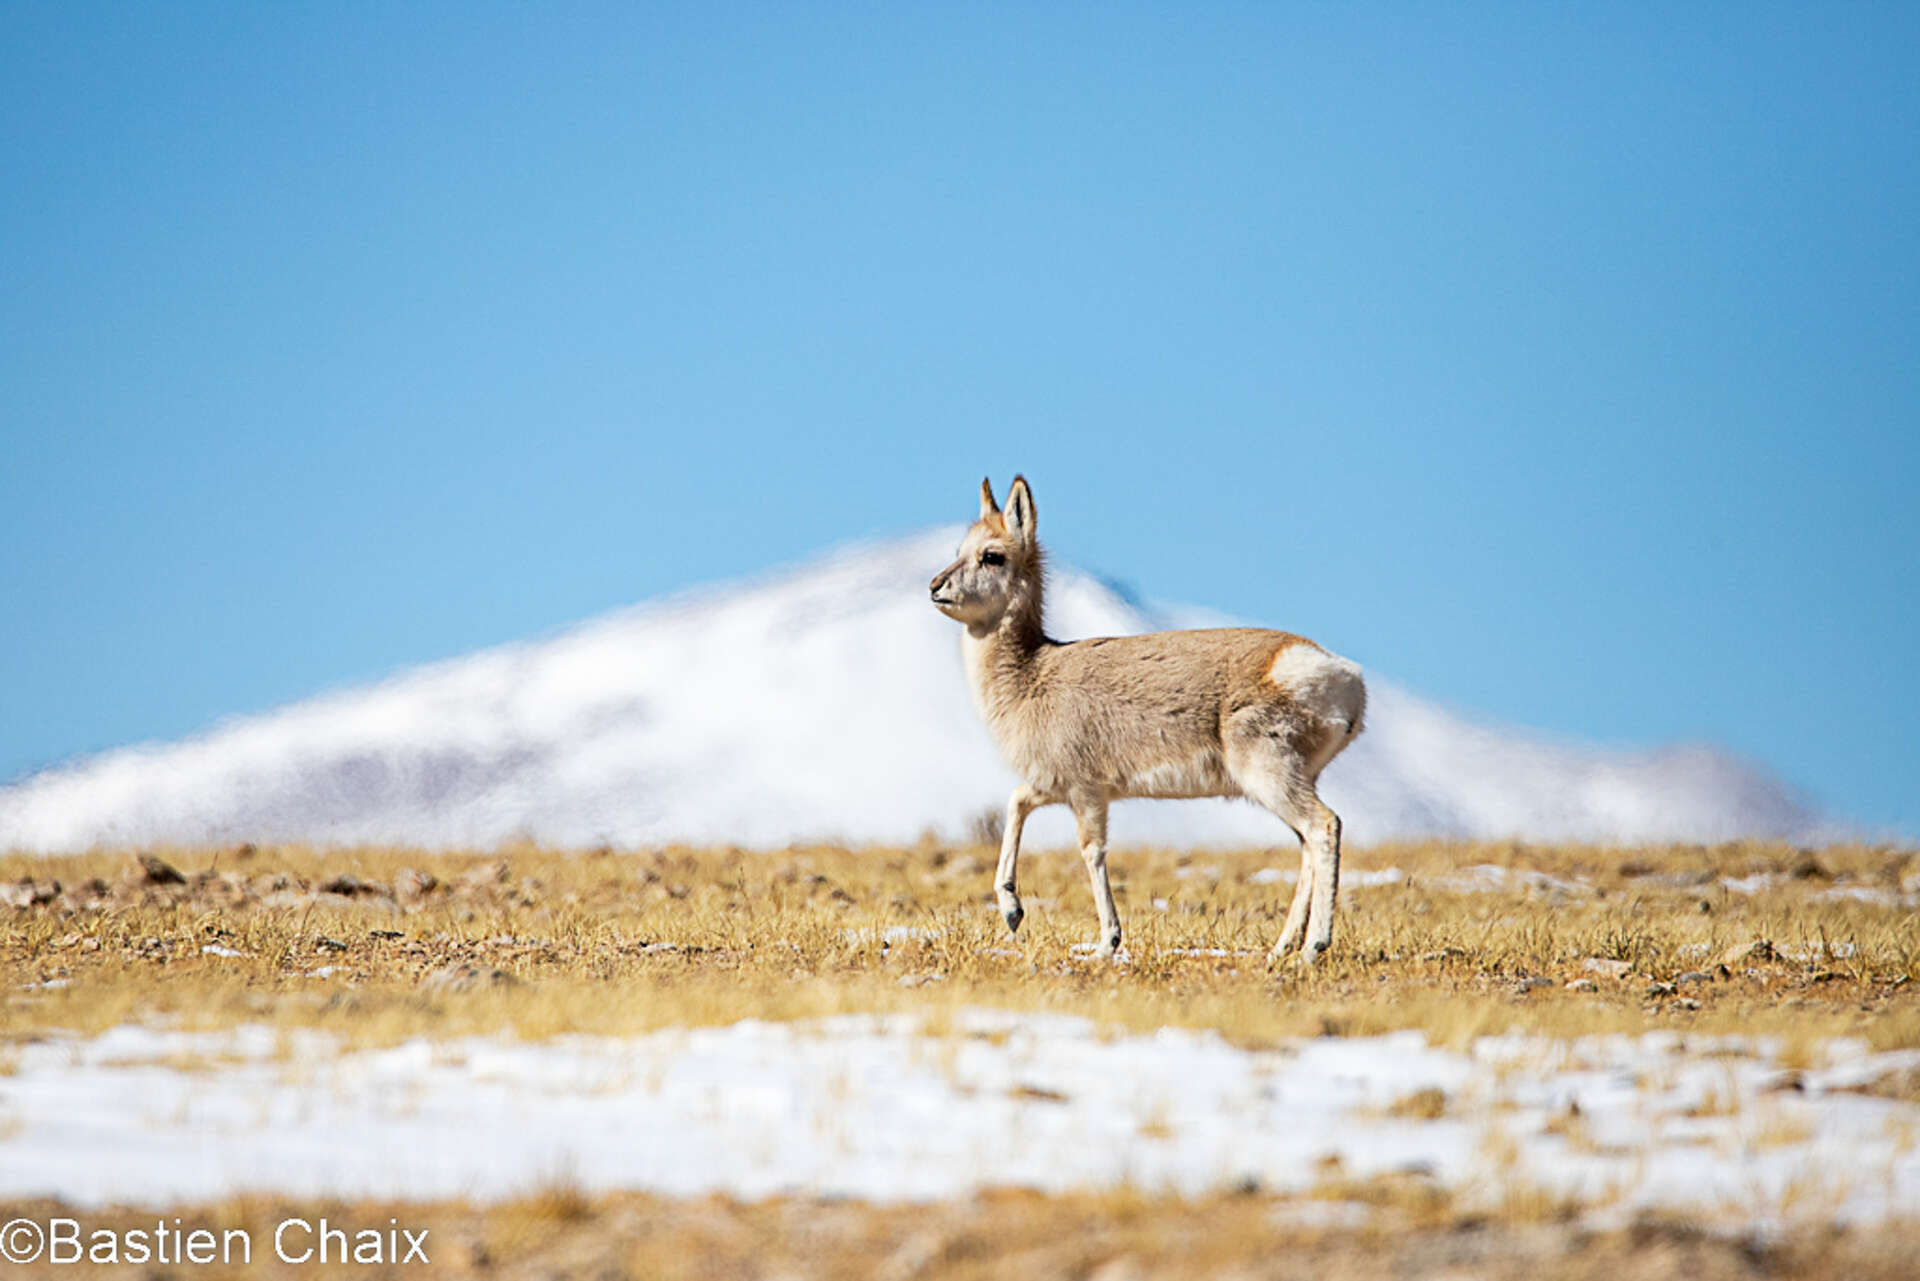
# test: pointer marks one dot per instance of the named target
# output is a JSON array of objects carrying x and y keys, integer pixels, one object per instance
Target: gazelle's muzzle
[{"x": 938, "y": 587}]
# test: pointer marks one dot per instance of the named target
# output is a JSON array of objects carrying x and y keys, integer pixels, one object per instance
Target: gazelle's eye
[{"x": 992, "y": 558}]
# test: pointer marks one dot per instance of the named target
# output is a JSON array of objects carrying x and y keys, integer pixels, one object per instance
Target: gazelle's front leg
[
  {"x": 1090, "y": 818},
  {"x": 1006, "y": 881}
]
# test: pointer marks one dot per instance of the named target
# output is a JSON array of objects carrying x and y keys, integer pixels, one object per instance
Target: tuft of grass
[{"x": 1429, "y": 1104}]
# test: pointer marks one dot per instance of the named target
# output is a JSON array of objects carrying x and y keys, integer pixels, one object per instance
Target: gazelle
[{"x": 1223, "y": 712}]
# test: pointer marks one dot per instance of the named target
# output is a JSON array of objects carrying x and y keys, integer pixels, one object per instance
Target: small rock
[
  {"x": 1693, "y": 976},
  {"x": 1661, "y": 989},
  {"x": 1530, "y": 984},
  {"x": 486, "y": 874},
  {"x": 268, "y": 882},
  {"x": 410, "y": 886},
  {"x": 344, "y": 884},
  {"x": 1746, "y": 953},
  {"x": 158, "y": 871},
  {"x": 1688, "y": 1003},
  {"x": 29, "y": 893},
  {"x": 1611, "y": 968},
  {"x": 1808, "y": 868},
  {"x": 326, "y": 944},
  {"x": 1583, "y": 985}
]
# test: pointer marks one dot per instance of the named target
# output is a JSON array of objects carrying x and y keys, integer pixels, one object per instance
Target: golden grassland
[{"x": 377, "y": 945}]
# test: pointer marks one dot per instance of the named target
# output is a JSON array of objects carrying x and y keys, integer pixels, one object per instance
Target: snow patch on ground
[{"x": 880, "y": 1108}]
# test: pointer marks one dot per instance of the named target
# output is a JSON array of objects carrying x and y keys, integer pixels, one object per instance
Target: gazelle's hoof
[
  {"x": 1009, "y": 900},
  {"x": 1312, "y": 952}
]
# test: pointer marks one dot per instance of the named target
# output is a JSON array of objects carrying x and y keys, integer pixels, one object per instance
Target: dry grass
[
  {"x": 1394, "y": 1231},
  {"x": 1429, "y": 1104},
  {"x": 376, "y": 945}
]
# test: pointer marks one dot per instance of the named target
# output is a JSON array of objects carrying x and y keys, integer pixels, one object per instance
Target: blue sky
[{"x": 1561, "y": 362}]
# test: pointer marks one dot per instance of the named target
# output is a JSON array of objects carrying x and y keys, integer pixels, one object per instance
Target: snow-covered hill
[{"x": 827, "y": 702}]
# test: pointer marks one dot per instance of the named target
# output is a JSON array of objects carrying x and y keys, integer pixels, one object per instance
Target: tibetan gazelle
[{"x": 1224, "y": 712}]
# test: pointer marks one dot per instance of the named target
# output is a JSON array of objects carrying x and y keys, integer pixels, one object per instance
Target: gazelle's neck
[{"x": 999, "y": 655}]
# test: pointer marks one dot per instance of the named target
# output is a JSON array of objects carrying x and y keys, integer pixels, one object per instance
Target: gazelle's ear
[
  {"x": 1020, "y": 514},
  {"x": 987, "y": 506}
]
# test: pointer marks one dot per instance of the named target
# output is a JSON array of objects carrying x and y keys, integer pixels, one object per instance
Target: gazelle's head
[{"x": 998, "y": 568}]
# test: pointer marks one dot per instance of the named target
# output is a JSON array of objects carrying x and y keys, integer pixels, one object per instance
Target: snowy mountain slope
[{"x": 825, "y": 702}]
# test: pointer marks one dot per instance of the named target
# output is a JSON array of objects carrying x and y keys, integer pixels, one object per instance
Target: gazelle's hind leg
[
  {"x": 1326, "y": 881},
  {"x": 1267, "y": 763},
  {"x": 1301, "y": 808},
  {"x": 1291, "y": 932}
]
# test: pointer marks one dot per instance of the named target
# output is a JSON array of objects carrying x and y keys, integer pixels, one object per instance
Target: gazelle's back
[{"x": 1149, "y": 715}]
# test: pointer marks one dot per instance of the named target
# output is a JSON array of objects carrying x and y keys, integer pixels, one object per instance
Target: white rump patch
[
  {"x": 1297, "y": 666},
  {"x": 1326, "y": 685}
]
